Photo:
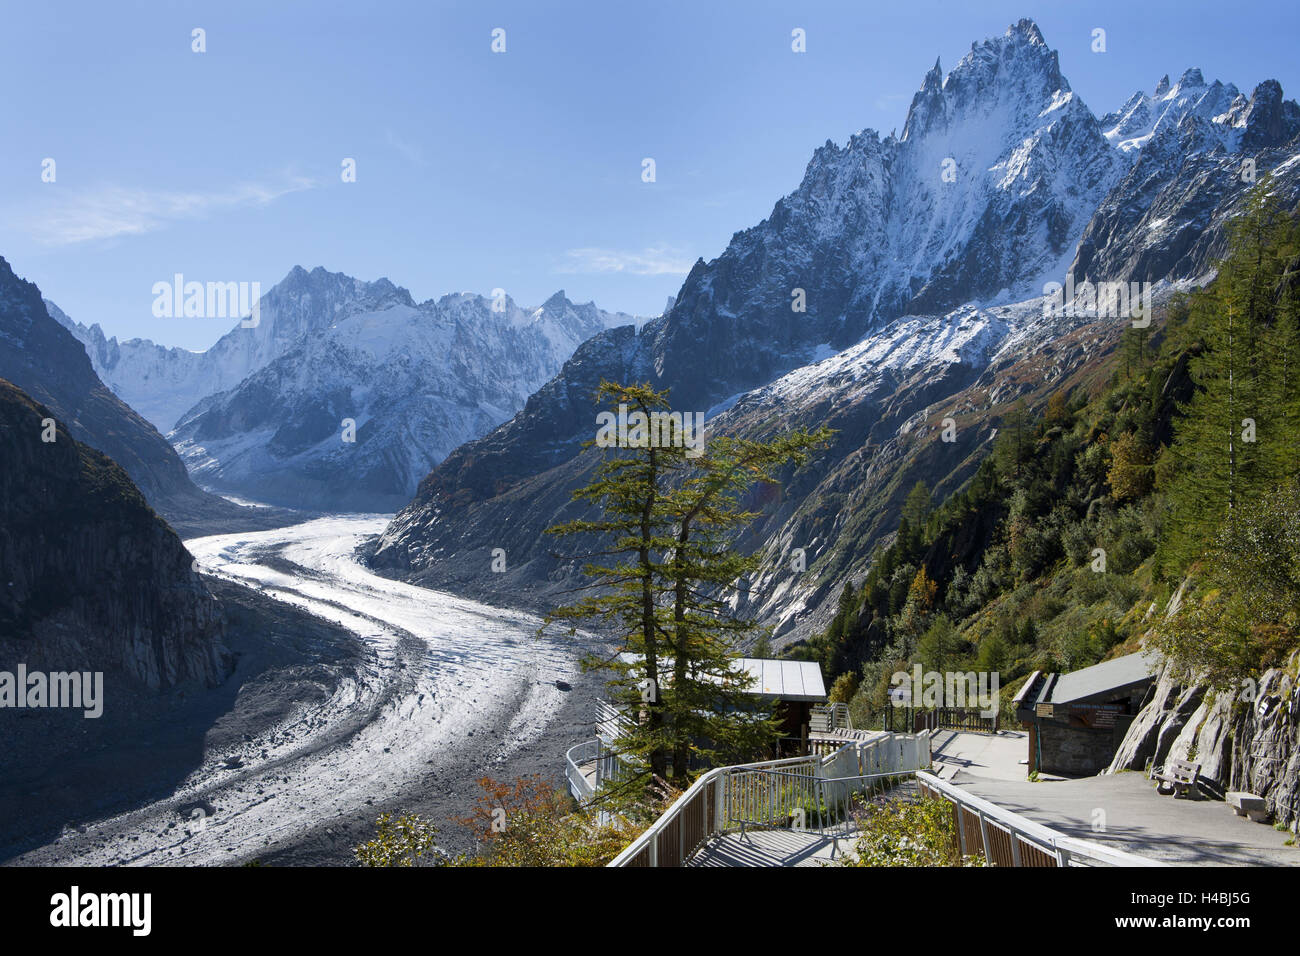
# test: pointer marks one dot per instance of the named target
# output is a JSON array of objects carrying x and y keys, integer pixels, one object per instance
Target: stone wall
[{"x": 1077, "y": 750}]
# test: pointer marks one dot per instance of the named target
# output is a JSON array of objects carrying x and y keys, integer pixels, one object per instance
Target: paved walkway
[
  {"x": 1134, "y": 817},
  {"x": 985, "y": 755}
]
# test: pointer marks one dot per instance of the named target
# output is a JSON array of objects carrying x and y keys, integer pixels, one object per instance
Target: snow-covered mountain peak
[
  {"x": 557, "y": 302},
  {"x": 1015, "y": 68},
  {"x": 1146, "y": 115},
  {"x": 415, "y": 381},
  {"x": 371, "y": 317}
]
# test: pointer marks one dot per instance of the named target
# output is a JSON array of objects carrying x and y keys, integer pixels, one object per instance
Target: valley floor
[{"x": 436, "y": 692}]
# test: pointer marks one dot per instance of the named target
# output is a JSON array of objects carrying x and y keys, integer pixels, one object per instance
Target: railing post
[{"x": 681, "y": 837}]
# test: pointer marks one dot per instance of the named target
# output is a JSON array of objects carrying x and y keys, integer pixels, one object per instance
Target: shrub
[
  {"x": 843, "y": 689},
  {"x": 1246, "y": 616},
  {"x": 907, "y": 833},
  {"x": 400, "y": 841},
  {"x": 529, "y": 823}
]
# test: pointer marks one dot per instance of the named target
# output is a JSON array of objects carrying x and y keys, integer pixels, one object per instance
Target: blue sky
[{"x": 477, "y": 170}]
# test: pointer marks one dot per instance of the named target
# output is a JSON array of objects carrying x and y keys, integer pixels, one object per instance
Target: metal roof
[
  {"x": 1108, "y": 676},
  {"x": 787, "y": 680}
]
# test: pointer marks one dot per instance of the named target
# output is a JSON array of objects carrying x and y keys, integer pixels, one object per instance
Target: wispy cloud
[
  {"x": 412, "y": 152},
  {"x": 109, "y": 212},
  {"x": 654, "y": 261}
]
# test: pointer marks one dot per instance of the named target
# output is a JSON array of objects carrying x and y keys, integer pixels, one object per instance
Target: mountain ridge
[
  {"x": 351, "y": 416},
  {"x": 1077, "y": 217}
]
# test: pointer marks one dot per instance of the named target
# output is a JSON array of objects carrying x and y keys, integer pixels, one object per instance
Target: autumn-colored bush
[{"x": 529, "y": 823}]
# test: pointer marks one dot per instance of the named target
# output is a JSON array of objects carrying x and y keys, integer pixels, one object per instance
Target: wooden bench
[
  {"x": 1179, "y": 778},
  {"x": 1248, "y": 805}
]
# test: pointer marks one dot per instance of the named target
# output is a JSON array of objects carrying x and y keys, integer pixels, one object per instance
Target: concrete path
[
  {"x": 985, "y": 755},
  {"x": 1133, "y": 817}
]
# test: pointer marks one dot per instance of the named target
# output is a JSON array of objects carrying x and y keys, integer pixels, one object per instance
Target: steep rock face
[
  {"x": 1193, "y": 165},
  {"x": 984, "y": 195},
  {"x": 1166, "y": 706},
  {"x": 92, "y": 578},
  {"x": 1243, "y": 741},
  {"x": 416, "y": 381},
  {"x": 43, "y": 359}
]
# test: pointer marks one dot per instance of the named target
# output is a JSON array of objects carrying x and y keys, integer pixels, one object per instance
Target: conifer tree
[
  {"x": 664, "y": 580},
  {"x": 911, "y": 526},
  {"x": 1236, "y": 438},
  {"x": 1014, "y": 441},
  {"x": 712, "y": 711},
  {"x": 625, "y": 575}
]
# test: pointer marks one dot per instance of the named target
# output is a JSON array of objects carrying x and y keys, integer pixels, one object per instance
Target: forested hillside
[{"x": 1177, "y": 474}]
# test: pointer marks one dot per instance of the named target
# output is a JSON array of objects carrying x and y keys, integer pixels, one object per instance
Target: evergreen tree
[
  {"x": 1236, "y": 438},
  {"x": 1014, "y": 442},
  {"x": 635, "y": 524},
  {"x": 911, "y": 526},
  {"x": 713, "y": 718},
  {"x": 663, "y": 583},
  {"x": 939, "y": 647}
]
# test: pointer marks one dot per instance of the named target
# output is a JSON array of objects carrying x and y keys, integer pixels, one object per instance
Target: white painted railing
[
  {"x": 582, "y": 753},
  {"x": 1004, "y": 838},
  {"x": 612, "y": 723},
  {"x": 728, "y": 798},
  {"x": 828, "y": 717}
]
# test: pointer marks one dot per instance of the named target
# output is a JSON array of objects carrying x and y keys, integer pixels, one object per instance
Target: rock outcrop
[
  {"x": 91, "y": 579},
  {"x": 1246, "y": 739},
  {"x": 44, "y": 360}
]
